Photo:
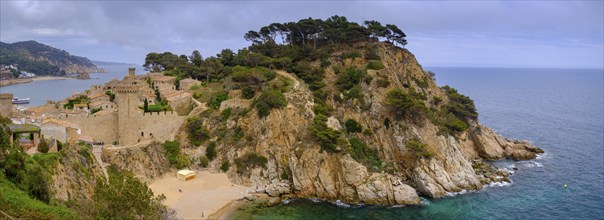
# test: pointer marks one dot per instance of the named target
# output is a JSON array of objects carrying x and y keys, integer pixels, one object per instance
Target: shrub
[
  {"x": 422, "y": 83},
  {"x": 248, "y": 93},
  {"x": 238, "y": 133},
  {"x": 250, "y": 160},
  {"x": 375, "y": 65},
  {"x": 418, "y": 148},
  {"x": 351, "y": 77},
  {"x": 404, "y": 105},
  {"x": 329, "y": 139},
  {"x": 382, "y": 82},
  {"x": 176, "y": 159},
  {"x": 197, "y": 134},
  {"x": 43, "y": 146},
  {"x": 322, "y": 109},
  {"x": 363, "y": 154},
  {"x": 269, "y": 99},
  {"x": 460, "y": 105},
  {"x": 211, "y": 151},
  {"x": 350, "y": 55},
  {"x": 353, "y": 126},
  {"x": 203, "y": 161},
  {"x": 215, "y": 100},
  {"x": 225, "y": 166},
  {"x": 354, "y": 93},
  {"x": 284, "y": 175},
  {"x": 225, "y": 114}
]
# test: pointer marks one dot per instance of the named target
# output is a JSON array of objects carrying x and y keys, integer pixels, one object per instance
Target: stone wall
[
  {"x": 101, "y": 127},
  {"x": 160, "y": 126},
  {"x": 6, "y": 104}
]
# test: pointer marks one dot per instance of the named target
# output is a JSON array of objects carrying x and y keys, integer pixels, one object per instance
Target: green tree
[
  {"x": 146, "y": 105},
  {"x": 125, "y": 197},
  {"x": 211, "y": 151},
  {"x": 352, "y": 126},
  {"x": 43, "y": 146},
  {"x": 404, "y": 105}
]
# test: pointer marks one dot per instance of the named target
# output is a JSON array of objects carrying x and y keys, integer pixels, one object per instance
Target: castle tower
[
  {"x": 6, "y": 104},
  {"x": 127, "y": 98},
  {"x": 131, "y": 71}
]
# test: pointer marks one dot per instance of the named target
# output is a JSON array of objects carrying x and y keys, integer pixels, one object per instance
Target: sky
[{"x": 540, "y": 34}]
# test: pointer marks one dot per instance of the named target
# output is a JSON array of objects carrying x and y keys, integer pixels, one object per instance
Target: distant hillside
[{"x": 41, "y": 59}]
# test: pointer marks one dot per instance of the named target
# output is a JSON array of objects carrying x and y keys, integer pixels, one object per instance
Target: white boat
[{"x": 20, "y": 101}]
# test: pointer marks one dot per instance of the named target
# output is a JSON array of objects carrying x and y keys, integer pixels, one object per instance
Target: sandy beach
[
  {"x": 44, "y": 78},
  {"x": 206, "y": 194}
]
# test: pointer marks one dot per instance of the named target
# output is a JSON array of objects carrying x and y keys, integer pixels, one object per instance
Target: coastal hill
[
  {"x": 40, "y": 59},
  {"x": 330, "y": 109},
  {"x": 327, "y": 109}
]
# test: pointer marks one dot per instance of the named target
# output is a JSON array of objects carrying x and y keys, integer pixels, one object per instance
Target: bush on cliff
[
  {"x": 405, "y": 105},
  {"x": 175, "y": 157},
  {"x": 218, "y": 98},
  {"x": 418, "y": 148},
  {"x": 375, "y": 65},
  {"x": 196, "y": 133},
  {"x": 269, "y": 100},
  {"x": 352, "y": 126},
  {"x": 364, "y": 154},
  {"x": 249, "y": 161},
  {"x": 329, "y": 139}
]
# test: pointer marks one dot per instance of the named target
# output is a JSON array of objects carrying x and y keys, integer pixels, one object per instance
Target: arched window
[{"x": 142, "y": 134}]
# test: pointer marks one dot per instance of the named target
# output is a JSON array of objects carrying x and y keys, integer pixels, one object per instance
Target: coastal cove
[
  {"x": 40, "y": 91},
  {"x": 559, "y": 110}
]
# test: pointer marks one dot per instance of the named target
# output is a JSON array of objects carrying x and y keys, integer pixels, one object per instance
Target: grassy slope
[{"x": 18, "y": 204}]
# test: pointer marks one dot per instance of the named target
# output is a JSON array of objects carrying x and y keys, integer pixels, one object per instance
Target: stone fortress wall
[{"x": 6, "y": 104}]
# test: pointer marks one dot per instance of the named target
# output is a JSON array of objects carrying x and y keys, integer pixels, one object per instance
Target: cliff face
[
  {"x": 75, "y": 176},
  {"x": 146, "y": 160},
  {"x": 296, "y": 164}
]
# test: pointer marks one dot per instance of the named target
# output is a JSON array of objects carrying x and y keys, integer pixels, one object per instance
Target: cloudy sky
[{"x": 455, "y": 33}]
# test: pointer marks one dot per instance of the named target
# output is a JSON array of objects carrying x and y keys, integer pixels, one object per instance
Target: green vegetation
[
  {"x": 203, "y": 161},
  {"x": 218, "y": 98},
  {"x": 422, "y": 83},
  {"x": 174, "y": 156},
  {"x": 125, "y": 197},
  {"x": 405, "y": 105},
  {"x": 375, "y": 65},
  {"x": 95, "y": 110},
  {"x": 418, "y": 148},
  {"x": 382, "y": 82},
  {"x": 81, "y": 99},
  {"x": 111, "y": 95},
  {"x": 249, "y": 161},
  {"x": 34, "y": 57},
  {"x": 350, "y": 55},
  {"x": 365, "y": 155},
  {"x": 225, "y": 165},
  {"x": 17, "y": 203},
  {"x": 238, "y": 133},
  {"x": 211, "y": 151},
  {"x": 329, "y": 139},
  {"x": 350, "y": 78},
  {"x": 226, "y": 114},
  {"x": 248, "y": 93},
  {"x": 352, "y": 126},
  {"x": 43, "y": 146},
  {"x": 160, "y": 106},
  {"x": 269, "y": 100},
  {"x": 196, "y": 133},
  {"x": 454, "y": 116}
]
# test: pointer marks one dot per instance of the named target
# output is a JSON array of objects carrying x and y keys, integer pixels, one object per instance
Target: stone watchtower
[
  {"x": 6, "y": 104},
  {"x": 127, "y": 98}
]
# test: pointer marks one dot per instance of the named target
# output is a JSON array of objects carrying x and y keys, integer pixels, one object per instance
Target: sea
[{"x": 559, "y": 110}]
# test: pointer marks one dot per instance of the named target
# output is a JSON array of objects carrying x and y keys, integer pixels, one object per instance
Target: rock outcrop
[
  {"x": 75, "y": 174},
  {"x": 147, "y": 160}
]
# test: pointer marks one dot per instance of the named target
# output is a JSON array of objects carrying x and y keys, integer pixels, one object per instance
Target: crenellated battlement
[{"x": 6, "y": 96}]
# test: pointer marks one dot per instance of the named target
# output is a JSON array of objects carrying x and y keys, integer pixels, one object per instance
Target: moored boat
[{"x": 20, "y": 101}]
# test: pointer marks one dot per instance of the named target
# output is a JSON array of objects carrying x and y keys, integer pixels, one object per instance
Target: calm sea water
[
  {"x": 41, "y": 91},
  {"x": 559, "y": 110}
]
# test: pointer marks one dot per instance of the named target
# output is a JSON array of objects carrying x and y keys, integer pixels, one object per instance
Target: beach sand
[
  {"x": 44, "y": 78},
  {"x": 207, "y": 193}
]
